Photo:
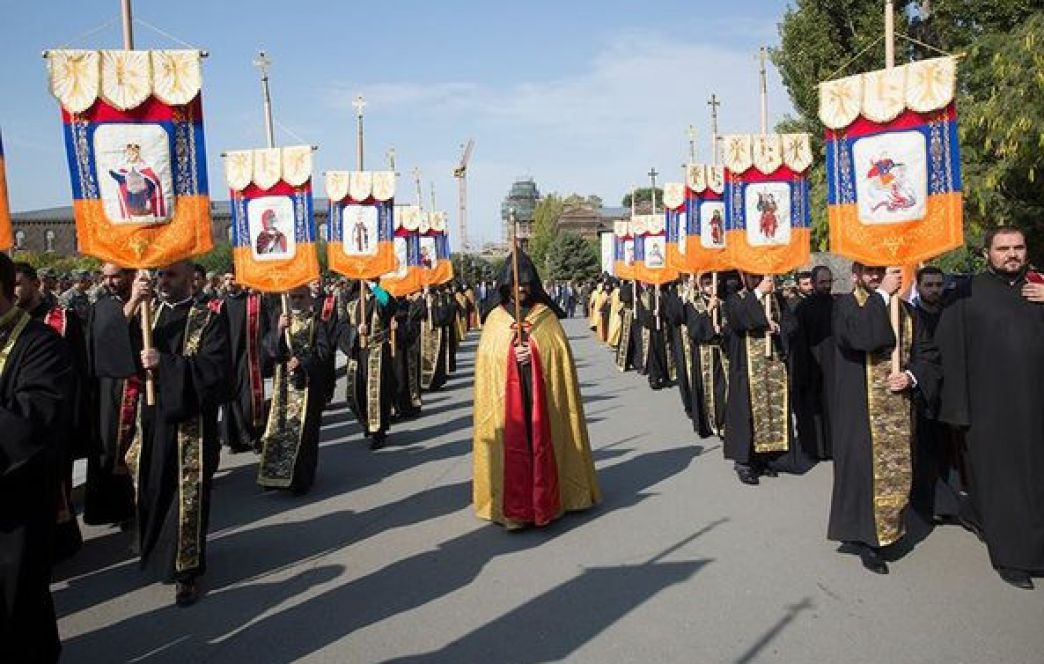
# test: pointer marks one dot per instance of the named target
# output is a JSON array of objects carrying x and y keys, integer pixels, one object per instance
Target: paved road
[{"x": 384, "y": 562}]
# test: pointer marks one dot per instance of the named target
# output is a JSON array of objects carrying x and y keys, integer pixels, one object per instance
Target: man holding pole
[
  {"x": 873, "y": 426},
  {"x": 176, "y": 450}
]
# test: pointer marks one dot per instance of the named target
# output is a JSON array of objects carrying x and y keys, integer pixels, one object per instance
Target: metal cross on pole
[
  {"x": 652, "y": 177},
  {"x": 714, "y": 104},
  {"x": 263, "y": 62},
  {"x": 359, "y": 104}
]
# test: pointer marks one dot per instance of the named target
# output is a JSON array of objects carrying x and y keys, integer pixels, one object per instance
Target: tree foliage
[
  {"x": 471, "y": 269},
  {"x": 218, "y": 259},
  {"x": 58, "y": 263},
  {"x": 643, "y": 199},
  {"x": 572, "y": 257},
  {"x": 545, "y": 229},
  {"x": 1001, "y": 94}
]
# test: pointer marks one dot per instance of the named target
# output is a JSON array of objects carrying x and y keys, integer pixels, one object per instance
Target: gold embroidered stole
[
  {"x": 891, "y": 432},
  {"x": 431, "y": 340},
  {"x": 769, "y": 392},
  {"x": 374, "y": 357},
  {"x": 708, "y": 353},
  {"x": 281, "y": 442},
  {"x": 190, "y": 456},
  {"x": 625, "y": 338},
  {"x": 15, "y": 320}
]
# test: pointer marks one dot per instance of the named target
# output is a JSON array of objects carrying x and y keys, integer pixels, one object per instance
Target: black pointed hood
[{"x": 528, "y": 275}]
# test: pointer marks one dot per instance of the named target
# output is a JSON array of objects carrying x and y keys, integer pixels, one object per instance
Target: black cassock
[
  {"x": 290, "y": 443},
  {"x": 67, "y": 539},
  {"x": 872, "y": 430},
  {"x": 406, "y": 359},
  {"x": 372, "y": 384},
  {"x": 243, "y": 418},
  {"x": 680, "y": 349},
  {"x": 812, "y": 369},
  {"x": 747, "y": 325},
  {"x": 708, "y": 381},
  {"x": 992, "y": 343},
  {"x": 35, "y": 398},
  {"x": 326, "y": 307},
  {"x": 630, "y": 331},
  {"x": 179, "y": 446},
  {"x": 450, "y": 333},
  {"x": 109, "y": 492},
  {"x": 653, "y": 320},
  {"x": 442, "y": 313}
]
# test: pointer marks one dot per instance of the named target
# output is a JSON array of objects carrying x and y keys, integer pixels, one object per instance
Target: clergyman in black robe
[
  {"x": 873, "y": 427},
  {"x": 937, "y": 494},
  {"x": 680, "y": 348},
  {"x": 65, "y": 322},
  {"x": 326, "y": 306},
  {"x": 109, "y": 491},
  {"x": 992, "y": 342},
  {"x": 243, "y": 418},
  {"x": 177, "y": 448},
  {"x": 653, "y": 319},
  {"x": 371, "y": 380},
  {"x": 709, "y": 379},
  {"x": 812, "y": 365},
  {"x": 758, "y": 427},
  {"x": 290, "y": 443},
  {"x": 35, "y": 382}
]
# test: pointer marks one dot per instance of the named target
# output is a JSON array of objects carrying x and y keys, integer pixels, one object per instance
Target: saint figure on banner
[
  {"x": 717, "y": 228},
  {"x": 139, "y": 187},
  {"x": 361, "y": 236},
  {"x": 655, "y": 258},
  {"x": 768, "y": 222},
  {"x": 425, "y": 258},
  {"x": 270, "y": 240},
  {"x": 889, "y": 185}
]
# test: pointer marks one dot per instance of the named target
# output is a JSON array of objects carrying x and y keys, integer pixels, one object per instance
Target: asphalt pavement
[{"x": 384, "y": 561}]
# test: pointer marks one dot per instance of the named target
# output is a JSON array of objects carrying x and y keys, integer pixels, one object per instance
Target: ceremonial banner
[
  {"x": 623, "y": 250},
  {"x": 766, "y": 202},
  {"x": 893, "y": 163},
  {"x": 706, "y": 247},
  {"x": 436, "y": 267},
  {"x": 676, "y": 224},
  {"x": 134, "y": 138},
  {"x": 360, "y": 233},
  {"x": 406, "y": 278},
  {"x": 273, "y": 227},
  {"x": 650, "y": 249},
  {"x": 6, "y": 234}
]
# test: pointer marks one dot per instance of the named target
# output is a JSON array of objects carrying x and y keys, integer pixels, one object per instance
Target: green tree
[
  {"x": 57, "y": 262},
  {"x": 643, "y": 199},
  {"x": 472, "y": 269},
  {"x": 218, "y": 259},
  {"x": 545, "y": 229},
  {"x": 572, "y": 257}
]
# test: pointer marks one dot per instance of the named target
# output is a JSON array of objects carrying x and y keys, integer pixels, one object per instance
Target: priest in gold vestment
[{"x": 532, "y": 457}]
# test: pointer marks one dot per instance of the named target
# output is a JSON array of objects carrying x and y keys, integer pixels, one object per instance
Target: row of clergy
[
  {"x": 954, "y": 435},
  {"x": 75, "y": 386}
]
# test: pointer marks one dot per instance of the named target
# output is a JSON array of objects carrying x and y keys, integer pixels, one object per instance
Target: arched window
[
  {"x": 49, "y": 238},
  {"x": 19, "y": 239}
]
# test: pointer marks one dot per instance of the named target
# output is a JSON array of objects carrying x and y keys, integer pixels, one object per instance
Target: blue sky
[{"x": 582, "y": 96}]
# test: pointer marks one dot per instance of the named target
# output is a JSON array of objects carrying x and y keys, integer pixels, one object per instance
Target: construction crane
[{"x": 461, "y": 173}]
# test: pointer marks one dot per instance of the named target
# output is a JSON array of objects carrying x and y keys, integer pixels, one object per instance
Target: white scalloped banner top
[
  {"x": 767, "y": 152},
  {"x": 123, "y": 79},
  {"x": 360, "y": 185},
  {"x": 702, "y": 177},
  {"x": 437, "y": 221},
  {"x": 408, "y": 217},
  {"x": 264, "y": 167},
  {"x": 648, "y": 224},
  {"x": 621, "y": 228},
  {"x": 673, "y": 195},
  {"x": 882, "y": 95}
]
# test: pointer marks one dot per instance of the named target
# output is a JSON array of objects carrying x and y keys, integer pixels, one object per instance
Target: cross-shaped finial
[
  {"x": 391, "y": 157},
  {"x": 359, "y": 104},
  {"x": 652, "y": 175},
  {"x": 262, "y": 62}
]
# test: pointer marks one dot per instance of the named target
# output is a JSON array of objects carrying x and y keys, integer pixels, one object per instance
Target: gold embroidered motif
[
  {"x": 281, "y": 443},
  {"x": 190, "y": 460},
  {"x": 625, "y": 339},
  {"x": 891, "y": 434},
  {"x": 769, "y": 394}
]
